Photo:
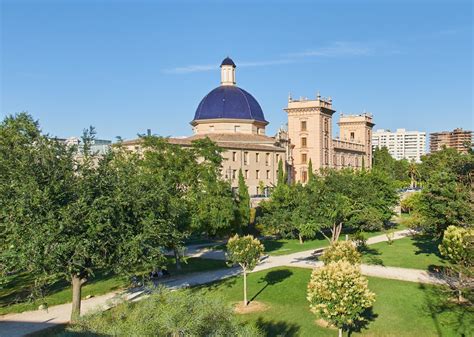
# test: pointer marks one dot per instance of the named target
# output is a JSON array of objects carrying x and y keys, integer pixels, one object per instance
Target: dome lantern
[{"x": 228, "y": 72}]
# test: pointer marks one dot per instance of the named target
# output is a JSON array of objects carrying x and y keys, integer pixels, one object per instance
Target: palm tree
[{"x": 413, "y": 173}]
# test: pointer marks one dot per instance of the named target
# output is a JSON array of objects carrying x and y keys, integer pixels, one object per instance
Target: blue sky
[{"x": 128, "y": 66}]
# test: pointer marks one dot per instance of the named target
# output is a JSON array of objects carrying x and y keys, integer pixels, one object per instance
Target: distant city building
[
  {"x": 401, "y": 144},
  {"x": 458, "y": 139},
  {"x": 100, "y": 146}
]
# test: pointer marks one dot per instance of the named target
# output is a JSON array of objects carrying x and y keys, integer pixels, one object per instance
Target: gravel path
[{"x": 16, "y": 325}]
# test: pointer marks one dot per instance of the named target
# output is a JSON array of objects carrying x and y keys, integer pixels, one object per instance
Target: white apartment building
[{"x": 401, "y": 144}]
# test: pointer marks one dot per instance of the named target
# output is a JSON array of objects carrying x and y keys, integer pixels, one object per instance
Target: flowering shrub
[
  {"x": 339, "y": 294},
  {"x": 341, "y": 250},
  {"x": 245, "y": 251}
]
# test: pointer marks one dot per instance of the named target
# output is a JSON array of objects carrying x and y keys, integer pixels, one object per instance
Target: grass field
[
  {"x": 401, "y": 308},
  {"x": 289, "y": 246},
  {"x": 14, "y": 294},
  {"x": 417, "y": 252}
]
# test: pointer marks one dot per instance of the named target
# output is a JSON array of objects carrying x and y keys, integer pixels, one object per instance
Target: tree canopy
[{"x": 66, "y": 212}]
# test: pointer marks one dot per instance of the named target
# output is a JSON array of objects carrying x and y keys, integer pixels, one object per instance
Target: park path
[{"x": 16, "y": 325}]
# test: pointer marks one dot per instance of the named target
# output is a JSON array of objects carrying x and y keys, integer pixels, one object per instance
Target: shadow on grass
[
  {"x": 426, "y": 245},
  {"x": 272, "y": 245},
  {"x": 277, "y": 328},
  {"x": 61, "y": 330},
  {"x": 368, "y": 316},
  {"x": 22, "y": 288},
  {"x": 216, "y": 285},
  {"x": 371, "y": 255},
  {"x": 271, "y": 278},
  {"x": 441, "y": 305}
]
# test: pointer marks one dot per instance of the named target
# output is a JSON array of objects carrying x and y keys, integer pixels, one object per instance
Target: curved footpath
[{"x": 16, "y": 325}]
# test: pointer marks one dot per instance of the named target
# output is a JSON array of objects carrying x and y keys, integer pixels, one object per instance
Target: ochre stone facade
[
  {"x": 311, "y": 136},
  {"x": 233, "y": 119}
]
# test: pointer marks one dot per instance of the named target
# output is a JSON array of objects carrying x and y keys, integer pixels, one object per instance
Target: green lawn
[
  {"x": 401, "y": 308},
  {"x": 14, "y": 294},
  {"x": 417, "y": 252},
  {"x": 289, "y": 246}
]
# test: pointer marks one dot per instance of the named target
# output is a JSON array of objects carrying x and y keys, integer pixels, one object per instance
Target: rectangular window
[
  {"x": 303, "y": 125},
  {"x": 211, "y": 128},
  {"x": 234, "y": 156},
  {"x": 267, "y": 159},
  {"x": 303, "y": 142},
  {"x": 304, "y": 176},
  {"x": 257, "y": 157},
  {"x": 246, "y": 174},
  {"x": 246, "y": 158},
  {"x": 268, "y": 174},
  {"x": 278, "y": 157},
  {"x": 257, "y": 174},
  {"x": 304, "y": 158},
  {"x": 352, "y": 135},
  {"x": 234, "y": 173},
  {"x": 237, "y": 128}
]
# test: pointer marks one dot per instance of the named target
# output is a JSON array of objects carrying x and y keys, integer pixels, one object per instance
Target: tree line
[
  {"x": 66, "y": 213},
  {"x": 329, "y": 203}
]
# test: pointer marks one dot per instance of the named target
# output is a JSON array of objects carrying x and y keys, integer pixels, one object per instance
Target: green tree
[
  {"x": 243, "y": 201},
  {"x": 395, "y": 169},
  {"x": 341, "y": 250},
  {"x": 458, "y": 247},
  {"x": 191, "y": 195},
  {"x": 212, "y": 204},
  {"x": 246, "y": 252},
  {"x": 450, "y": 161},
  {"x": 410, "y": 202},
  {"x": 281, "y": 173},
  {"x": 289, "y": 212},
  {"x": 339, "y": 294},
  {"x": 443, "y": 202},
  {"x": 310, "y": 171},
  {"x": 60, "y": 210},
  {"x": 413, "y": 174}
]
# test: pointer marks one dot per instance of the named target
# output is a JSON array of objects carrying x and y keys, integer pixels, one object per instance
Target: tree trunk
[
  {"x": 245, "y": 288},
  {"x": 460, "y": 297},
  {"x": 176, "y": 257},
  {"x": 340, "y": 332},
  {"x": 300, "y": 237},
  {"x": 336, "y": 231},
  {"x": 77, "y": 283}
]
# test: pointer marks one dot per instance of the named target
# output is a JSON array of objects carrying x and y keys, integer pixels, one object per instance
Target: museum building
[{"x": 233, "y": 118}]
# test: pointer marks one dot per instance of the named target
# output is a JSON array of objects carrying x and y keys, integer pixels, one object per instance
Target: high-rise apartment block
[
  {"x": 401, "y": 144},
  {"x": 458, "y": 139}
]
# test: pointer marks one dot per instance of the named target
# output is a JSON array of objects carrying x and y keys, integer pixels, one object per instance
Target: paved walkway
[{"x": 16, "y": 325}]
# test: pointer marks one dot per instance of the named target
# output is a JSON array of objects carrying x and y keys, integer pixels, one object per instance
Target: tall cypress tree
[
  {"x": 281, "y": 173},
  {"x": 243, "y": 201},
  {"x": 310, "y": 171}
]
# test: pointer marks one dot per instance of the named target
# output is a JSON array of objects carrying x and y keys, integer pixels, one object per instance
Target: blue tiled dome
[{"x": 231, "y": 102}]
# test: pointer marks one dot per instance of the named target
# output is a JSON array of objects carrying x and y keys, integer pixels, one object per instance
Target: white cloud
[{"x": 335, "y": 49}]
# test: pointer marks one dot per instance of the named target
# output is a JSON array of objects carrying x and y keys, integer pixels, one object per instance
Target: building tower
[
  {"x": 310, "y": 132},
  {"x": 358, "y": 129},
  {"x": 228, "y": 72}
]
